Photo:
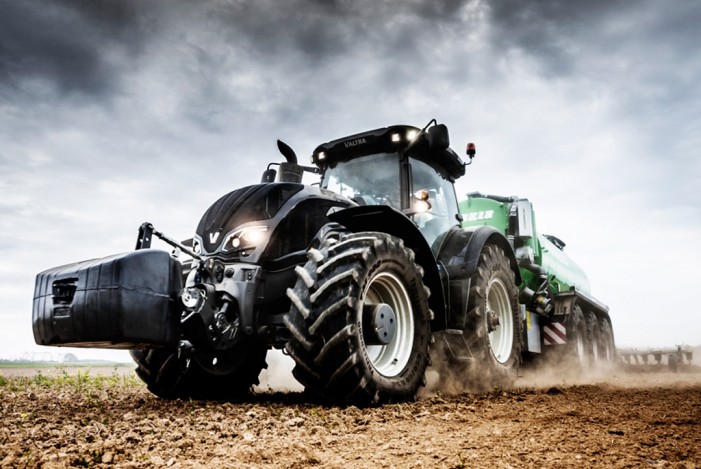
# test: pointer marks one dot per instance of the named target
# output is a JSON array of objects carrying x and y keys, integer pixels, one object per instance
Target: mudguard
[{"x": 462, "y": 247}]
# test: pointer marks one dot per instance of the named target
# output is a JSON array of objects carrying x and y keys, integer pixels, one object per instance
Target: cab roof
[{"x": 388, "y": 140}]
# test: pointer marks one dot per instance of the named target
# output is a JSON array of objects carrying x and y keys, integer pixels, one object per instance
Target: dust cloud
[
  {"x": 278, "y": 376},
  {"x": 445, "y": 379},
  {"x": 441, "y": 379}
]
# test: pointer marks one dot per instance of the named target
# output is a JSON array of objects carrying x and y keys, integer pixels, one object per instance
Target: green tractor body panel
[{"x": 515, "y": 218}]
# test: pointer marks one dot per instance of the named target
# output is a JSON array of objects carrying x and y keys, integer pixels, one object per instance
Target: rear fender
[{"x": 388, "y": 220}]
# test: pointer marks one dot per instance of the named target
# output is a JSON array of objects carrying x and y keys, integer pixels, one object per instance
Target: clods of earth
[{"x": 651, "y": 420}]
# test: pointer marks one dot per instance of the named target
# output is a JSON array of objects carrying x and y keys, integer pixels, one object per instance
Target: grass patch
[
  {"x": 52, "y": 365},
  {"x": 82, "y": 381}
]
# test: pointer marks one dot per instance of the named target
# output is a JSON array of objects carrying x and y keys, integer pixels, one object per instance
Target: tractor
[{"x": 362, "y": 279}]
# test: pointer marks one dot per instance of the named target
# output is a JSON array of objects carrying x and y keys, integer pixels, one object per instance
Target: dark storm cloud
[
  {"x": 72, "y": 43},
  {"x": 600, "y": 38},
  {"x": 65, "y": 43},
  {"x": 547, "y": 29},
  {"x": 642, "y": 57},
  {"x": 319, "y": 29},
  {"x": 78, "y": 45}
]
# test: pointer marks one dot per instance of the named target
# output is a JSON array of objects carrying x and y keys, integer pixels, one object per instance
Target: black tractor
[{"x": 362, "y": 279}]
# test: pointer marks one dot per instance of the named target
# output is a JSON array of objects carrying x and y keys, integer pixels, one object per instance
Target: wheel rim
[
  {"x": 502, "y": 337},
  {"x": 391, "y": 359}
]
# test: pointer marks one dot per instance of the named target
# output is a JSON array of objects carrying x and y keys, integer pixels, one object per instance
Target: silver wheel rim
[
  {"x": 391, "y": 359},
  {"x": 501, "y": 339}
]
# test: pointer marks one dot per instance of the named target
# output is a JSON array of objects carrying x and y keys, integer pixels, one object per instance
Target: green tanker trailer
[{"x": 560, "y": 317}]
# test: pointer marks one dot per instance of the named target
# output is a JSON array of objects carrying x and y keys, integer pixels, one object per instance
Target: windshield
[
  {"x": 372, "y": 180},
  {"x": 376, "y": 180}
]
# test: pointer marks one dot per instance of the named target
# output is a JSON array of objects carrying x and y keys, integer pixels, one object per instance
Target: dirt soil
[{"x": 621, "y": 420}]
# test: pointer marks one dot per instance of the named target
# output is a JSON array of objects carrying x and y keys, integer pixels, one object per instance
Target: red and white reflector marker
[{"x": 554, "y": 334}]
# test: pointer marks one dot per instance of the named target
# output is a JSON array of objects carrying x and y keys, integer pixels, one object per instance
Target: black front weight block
[{"x": 124, "y": 301}]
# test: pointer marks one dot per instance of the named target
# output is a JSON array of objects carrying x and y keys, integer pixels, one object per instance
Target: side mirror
[
  {"x": 434, "y": 140},
  {"x": 269, "y": 175},
  {"x": 438, "y": 138}
]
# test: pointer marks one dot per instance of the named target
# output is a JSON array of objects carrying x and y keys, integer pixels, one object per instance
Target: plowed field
[{"x": 621, "y": 420}]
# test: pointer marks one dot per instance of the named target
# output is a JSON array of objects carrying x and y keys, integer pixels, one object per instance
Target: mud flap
[{"x": 123, "y": 301}]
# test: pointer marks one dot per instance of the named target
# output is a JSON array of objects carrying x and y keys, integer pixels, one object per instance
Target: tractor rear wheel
[
  {"x": 228, "y": 375},
  {"x": 359, "y": 321},
  {"x": 493, "y": 324}
]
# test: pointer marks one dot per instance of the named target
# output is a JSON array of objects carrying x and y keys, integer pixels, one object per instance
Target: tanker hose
[
  {"x": 541, "y": 300},
  {"x": 534, "y": 268}
]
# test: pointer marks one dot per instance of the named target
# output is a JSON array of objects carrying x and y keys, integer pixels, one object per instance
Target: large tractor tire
[
  {"x": 360, "y": 321},
  {"x": 492, "y": 327},
  {"x": 200, "y": 376}
]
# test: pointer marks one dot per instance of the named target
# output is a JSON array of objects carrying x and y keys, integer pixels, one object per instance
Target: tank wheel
[
  {"x": 577, "y": 352},
  {"x": 594, "y": 341},
  {"x": 228, "y": 375},
  {"x": 493, "y": 324},
  {"x": 609, "y": 356},
  {"x": 359, "y": 321}
]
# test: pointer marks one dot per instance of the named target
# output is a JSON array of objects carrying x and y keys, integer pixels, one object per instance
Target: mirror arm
[{"x": 432, "y": 121}]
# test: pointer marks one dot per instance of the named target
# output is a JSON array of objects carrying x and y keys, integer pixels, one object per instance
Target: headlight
[{"x": 246, "y": 238}]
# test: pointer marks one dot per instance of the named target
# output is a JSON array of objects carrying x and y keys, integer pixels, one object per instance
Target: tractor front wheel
[{"x": 227, "y": 375}]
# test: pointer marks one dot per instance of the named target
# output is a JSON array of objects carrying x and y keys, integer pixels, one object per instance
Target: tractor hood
[
  {"x": 230, "y": 224},
  {"x": 265, "y": 222}
]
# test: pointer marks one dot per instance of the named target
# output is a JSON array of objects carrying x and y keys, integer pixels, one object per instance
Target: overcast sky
[{"x": 117, "y": 112}]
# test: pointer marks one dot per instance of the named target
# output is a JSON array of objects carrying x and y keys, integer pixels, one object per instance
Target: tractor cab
[{"x": 409, "y": 169}]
